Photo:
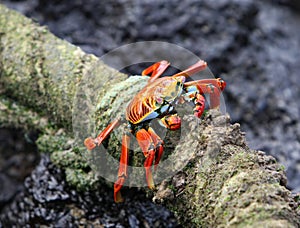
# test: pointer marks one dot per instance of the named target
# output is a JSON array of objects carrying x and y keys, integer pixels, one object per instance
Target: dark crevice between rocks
[{"x": 18, "y": 157}]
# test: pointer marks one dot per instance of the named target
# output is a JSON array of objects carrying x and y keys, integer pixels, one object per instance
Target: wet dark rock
[
  {"x": 294, "y": 4},
  {"x": 48, "y": 200},
  {"x": 8, "y": 189},
  {"x": 45, "y": 187},
  {"x": 17, "y": 160},
  {"x": 265, "y": 100}
]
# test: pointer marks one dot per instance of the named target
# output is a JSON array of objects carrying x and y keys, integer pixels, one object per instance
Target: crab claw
[
  {"x": 89, "y": 143},
  {"x": 171, "y": 122},
  {"x": 199, "y": 105}
]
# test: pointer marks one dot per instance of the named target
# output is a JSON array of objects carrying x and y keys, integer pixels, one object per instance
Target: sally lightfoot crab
[{"x": 157, "y": 100}]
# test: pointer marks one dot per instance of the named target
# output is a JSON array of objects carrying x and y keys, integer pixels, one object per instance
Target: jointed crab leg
[
  {"x": 146, "y": 143},
  {"x": 158, "y": 143},
  {"x": 198, "y": 66},
  {"x": 122, "y": 173},
  {"x": 156, "y": 70},
  {"x": 91, "y": 143},
  {"x": 218, "y": 83}
]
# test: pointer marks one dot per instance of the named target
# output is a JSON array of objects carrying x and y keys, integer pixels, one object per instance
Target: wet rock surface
[
  {"x": 254, "y": 45},
  {"x": 47, "y": 199},
  {"x": 17, "y": 160}
]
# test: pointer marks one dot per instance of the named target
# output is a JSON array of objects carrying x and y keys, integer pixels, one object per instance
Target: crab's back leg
[
  {"x": 147, "y": 145},
  {"x": 156, "y": 70},
  {"x": 217, "y": 82},
  {"x": 122, "y": 173},
  {"x": 91, "y": 143},
  {"x": 198, "y": 66},
  {"x": 158, "y": 143}
]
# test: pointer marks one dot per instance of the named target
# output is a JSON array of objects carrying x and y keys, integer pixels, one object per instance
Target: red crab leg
[
  {"x": 91, "y": 143},
  {"x": 122, "y": 173},
  {"x": 198, "y": 66},
  {"x": 144, "y": 140},
  {"x": 219, "y": 82},
  {"x": 156, "y": 69},
  {"x": 158, "y": 143},
  {"x": 198, "y": 86}
]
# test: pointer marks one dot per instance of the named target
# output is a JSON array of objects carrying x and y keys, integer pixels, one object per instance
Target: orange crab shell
[{"x": 151, "y": 98}]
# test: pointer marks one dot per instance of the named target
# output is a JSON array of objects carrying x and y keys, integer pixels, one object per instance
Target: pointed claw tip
[
  {"x": 152, "y": 187},
  {"x": 89, "y": 143},
  {"x": 118, "y": 198},
  {"x": 150, "y": 181},
  {"x": 203, "y": 62}
]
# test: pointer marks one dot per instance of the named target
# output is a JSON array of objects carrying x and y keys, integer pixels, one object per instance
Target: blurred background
[{"x": 253, "y": 45}]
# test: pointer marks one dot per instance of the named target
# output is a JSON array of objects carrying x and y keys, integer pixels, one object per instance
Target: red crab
[{"x": 156, "y": 100}]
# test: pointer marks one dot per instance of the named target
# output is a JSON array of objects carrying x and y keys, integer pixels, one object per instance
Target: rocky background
[{"x": 253, "y": 45}]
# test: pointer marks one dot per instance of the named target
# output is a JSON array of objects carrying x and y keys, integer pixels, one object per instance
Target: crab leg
[
  {"x": 91, "y": 143},
  {"x": 158, "y": 143},
  {"x": 122, "y": 173},
  {"x": 156, "y": 69},
  {"x": 197, "y": 87},
  {"x": 146, "y": 143},
  {"x": 219, "y": 82},
  {"x": 198, "y": 66}
]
